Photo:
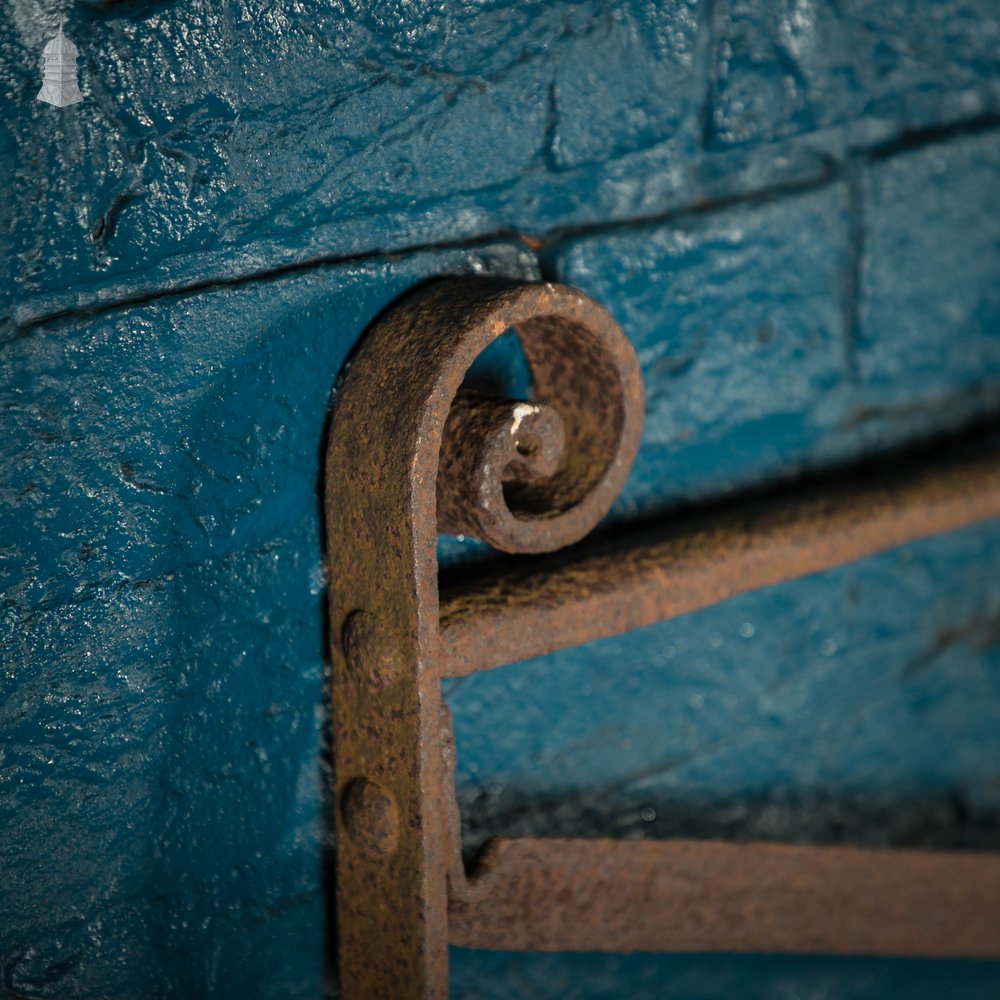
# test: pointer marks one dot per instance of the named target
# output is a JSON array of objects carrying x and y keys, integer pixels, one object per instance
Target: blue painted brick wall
[
  {"x": 929, "y": 302},
  {"x": 791, "y": 210},
  {"x": 738, "y": 318}
]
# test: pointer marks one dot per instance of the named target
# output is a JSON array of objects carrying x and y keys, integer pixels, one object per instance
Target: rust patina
[{"x": 412, "y": 452}]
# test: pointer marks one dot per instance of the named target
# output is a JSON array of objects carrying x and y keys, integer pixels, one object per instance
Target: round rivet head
[
  {"x": 369, "y": 655},
  {"x": 371, "y": 817}
]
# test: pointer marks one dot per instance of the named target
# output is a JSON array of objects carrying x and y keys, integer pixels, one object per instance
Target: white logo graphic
[{"x": 59, "y": 86}]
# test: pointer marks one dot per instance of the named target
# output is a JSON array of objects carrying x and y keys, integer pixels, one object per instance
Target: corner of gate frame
[{"x": 412, "y": 453}]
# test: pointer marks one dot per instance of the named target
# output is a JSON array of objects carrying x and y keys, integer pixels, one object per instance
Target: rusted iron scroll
[{"x": 412, "y": 452}]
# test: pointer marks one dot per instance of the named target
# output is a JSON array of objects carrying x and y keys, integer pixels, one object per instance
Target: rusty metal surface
[
  {"x": 489, "y": 443},
  {"x": 689, "y": 896},
  {"x": 537, "y": 476},
  {"x": 411, "y": 451},
  {"x": 612, "y": 589},
  {"x": 394, "y": 848}
]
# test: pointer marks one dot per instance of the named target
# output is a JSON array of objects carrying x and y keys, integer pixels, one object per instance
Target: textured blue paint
[
  {"x": 930, "y": 306},
  {"x": 804, "y": 330},
  {"x": 222, "y": 139},
  {"x": 790, "y": 208},
  {"x": 162, "y": 782},
  {"x": 842, "y": 686},
  {"x": 738, "y": 318},
  {"x": 495, "y": 976},
  {"x": 783, "y": 69}
]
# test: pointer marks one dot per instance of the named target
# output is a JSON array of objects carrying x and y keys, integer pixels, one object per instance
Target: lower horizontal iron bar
[
  {"x": 706, "y": 896},
  {"x": 577, "y": 597}
]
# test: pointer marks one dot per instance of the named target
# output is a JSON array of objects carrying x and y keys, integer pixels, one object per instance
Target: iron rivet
[
  {"x": 366, "y": 652},
  {"x": 371, "y": 817}
]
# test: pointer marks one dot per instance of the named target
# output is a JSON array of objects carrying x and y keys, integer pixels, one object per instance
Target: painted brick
[
  {"x": 162, "y": 788},
  {"x": 641, "y": 59},
  {"x": 786, "y": 69},
  {"x": 814, "y": 710},
  {"x": 929, "y": 324},
  {"x": 220, "y": 141},
  {"x": 490, "y": 975},
  {"x": 738, "y": 318}
]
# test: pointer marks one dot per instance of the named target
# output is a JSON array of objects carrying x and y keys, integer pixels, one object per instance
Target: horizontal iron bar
[
  {"x": 587, "y": 594},
  {"x": 707, "y": 896}
]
